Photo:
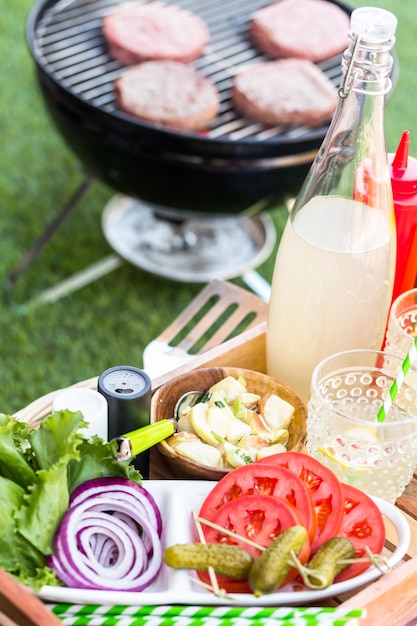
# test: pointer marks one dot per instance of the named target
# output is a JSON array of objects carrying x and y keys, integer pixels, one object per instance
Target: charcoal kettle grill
[{"x": 176, "y": 191}]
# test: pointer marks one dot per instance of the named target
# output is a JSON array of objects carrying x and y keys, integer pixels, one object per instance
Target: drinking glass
[
  {"x": 402, "y": 323},
  {"x": 347, "y": 390}
]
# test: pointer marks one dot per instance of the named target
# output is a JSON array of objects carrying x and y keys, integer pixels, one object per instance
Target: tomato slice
[
  {"x": 324, "y": 487},
  {"x": 259, "y": 518},
  {"x": 363, "y": 524},
  {"x": 262, "y": 480}
]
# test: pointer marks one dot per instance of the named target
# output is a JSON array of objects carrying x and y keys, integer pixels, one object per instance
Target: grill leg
[{"x": 49, "y": 231}]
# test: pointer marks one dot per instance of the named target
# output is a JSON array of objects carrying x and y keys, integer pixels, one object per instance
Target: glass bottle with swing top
[{"x": 334, "y": 270}]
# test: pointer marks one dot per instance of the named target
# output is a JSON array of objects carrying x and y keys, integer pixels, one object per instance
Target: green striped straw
[
  {"x": 207, "y": 621},
  {"x": 399, "y": 379},
  {"x": 172, "y": 615}
]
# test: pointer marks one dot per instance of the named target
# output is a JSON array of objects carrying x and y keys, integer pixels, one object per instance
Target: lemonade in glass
[{"x": 347, "y": 390}]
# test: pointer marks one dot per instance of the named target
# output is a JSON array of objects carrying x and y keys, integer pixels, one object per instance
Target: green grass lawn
[{"x": 110, "y": 321}]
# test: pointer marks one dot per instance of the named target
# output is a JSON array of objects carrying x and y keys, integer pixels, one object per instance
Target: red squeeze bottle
[{"x": 404, "y": 189}]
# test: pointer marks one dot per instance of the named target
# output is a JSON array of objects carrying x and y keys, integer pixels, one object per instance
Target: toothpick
[
  {"x": 212, "y": 574},
  {"x": 230, "y": 533}
]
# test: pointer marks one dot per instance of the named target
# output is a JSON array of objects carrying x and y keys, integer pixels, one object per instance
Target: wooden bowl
[{"x": 165, "y": 398}]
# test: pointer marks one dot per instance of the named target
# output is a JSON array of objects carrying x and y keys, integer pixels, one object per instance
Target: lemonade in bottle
[{"x": 334, "y": 271}]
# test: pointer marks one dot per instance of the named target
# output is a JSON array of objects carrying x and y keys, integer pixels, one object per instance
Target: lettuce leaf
[
  {"x": 97, "y": 461},
  {"x": 15, "y": 551},
  {"x": 13, "y": 463},
  {"x": 39, "y": 468},
  {"x": 44, "y": 506},
  {"x": 58, "y": 438}
]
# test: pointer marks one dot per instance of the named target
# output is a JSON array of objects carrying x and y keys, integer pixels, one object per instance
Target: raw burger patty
[
  {"x": 168, "y": 93},
  {"x": 137, "y": 32},
  {"x": 287, "y": 91},
  {"x": 305, "y": 29}
]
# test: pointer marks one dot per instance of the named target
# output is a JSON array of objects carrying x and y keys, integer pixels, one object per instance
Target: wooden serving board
[{"x": 390, "y": 600}]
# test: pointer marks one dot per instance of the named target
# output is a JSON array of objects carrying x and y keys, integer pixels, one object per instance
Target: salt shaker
[{"x": 92, "y": 405}]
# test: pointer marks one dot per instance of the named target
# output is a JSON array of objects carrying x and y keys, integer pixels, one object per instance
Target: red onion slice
[
  {"x": 119, "y": 488},
  {"x": 105, "y": 542},
  {"x": 118, "y": 565}
]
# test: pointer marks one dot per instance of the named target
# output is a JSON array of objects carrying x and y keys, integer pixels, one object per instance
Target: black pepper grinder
[{"x": 128, "y": 394}]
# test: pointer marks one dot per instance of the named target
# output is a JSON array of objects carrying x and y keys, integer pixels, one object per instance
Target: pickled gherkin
[
  {"x": 226, "y": 560},
  {"x": 270, "y": 569},
  {"x": 329, "y": 560}
]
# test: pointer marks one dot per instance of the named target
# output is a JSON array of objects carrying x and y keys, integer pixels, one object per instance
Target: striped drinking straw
[
  {"x": 173, "y": 615},
  {"x": 399, "y": 379}
]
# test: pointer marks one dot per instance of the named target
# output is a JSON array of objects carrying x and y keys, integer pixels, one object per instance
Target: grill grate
[{"x": 69, "y": 46}]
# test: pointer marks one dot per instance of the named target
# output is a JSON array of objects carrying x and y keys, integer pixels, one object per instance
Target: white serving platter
[{"x": 177, "y": 499}]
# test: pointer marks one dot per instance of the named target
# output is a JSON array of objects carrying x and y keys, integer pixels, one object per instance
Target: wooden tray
[{"x": 390, "y": 600}]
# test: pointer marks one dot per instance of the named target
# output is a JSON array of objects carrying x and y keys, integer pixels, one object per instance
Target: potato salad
[{"x": 230, "y": 426}]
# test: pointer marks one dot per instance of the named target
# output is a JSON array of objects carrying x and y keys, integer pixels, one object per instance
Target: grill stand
[
  {"x": 186, "y": 248},
  {"x": 49, "y": 231}
]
